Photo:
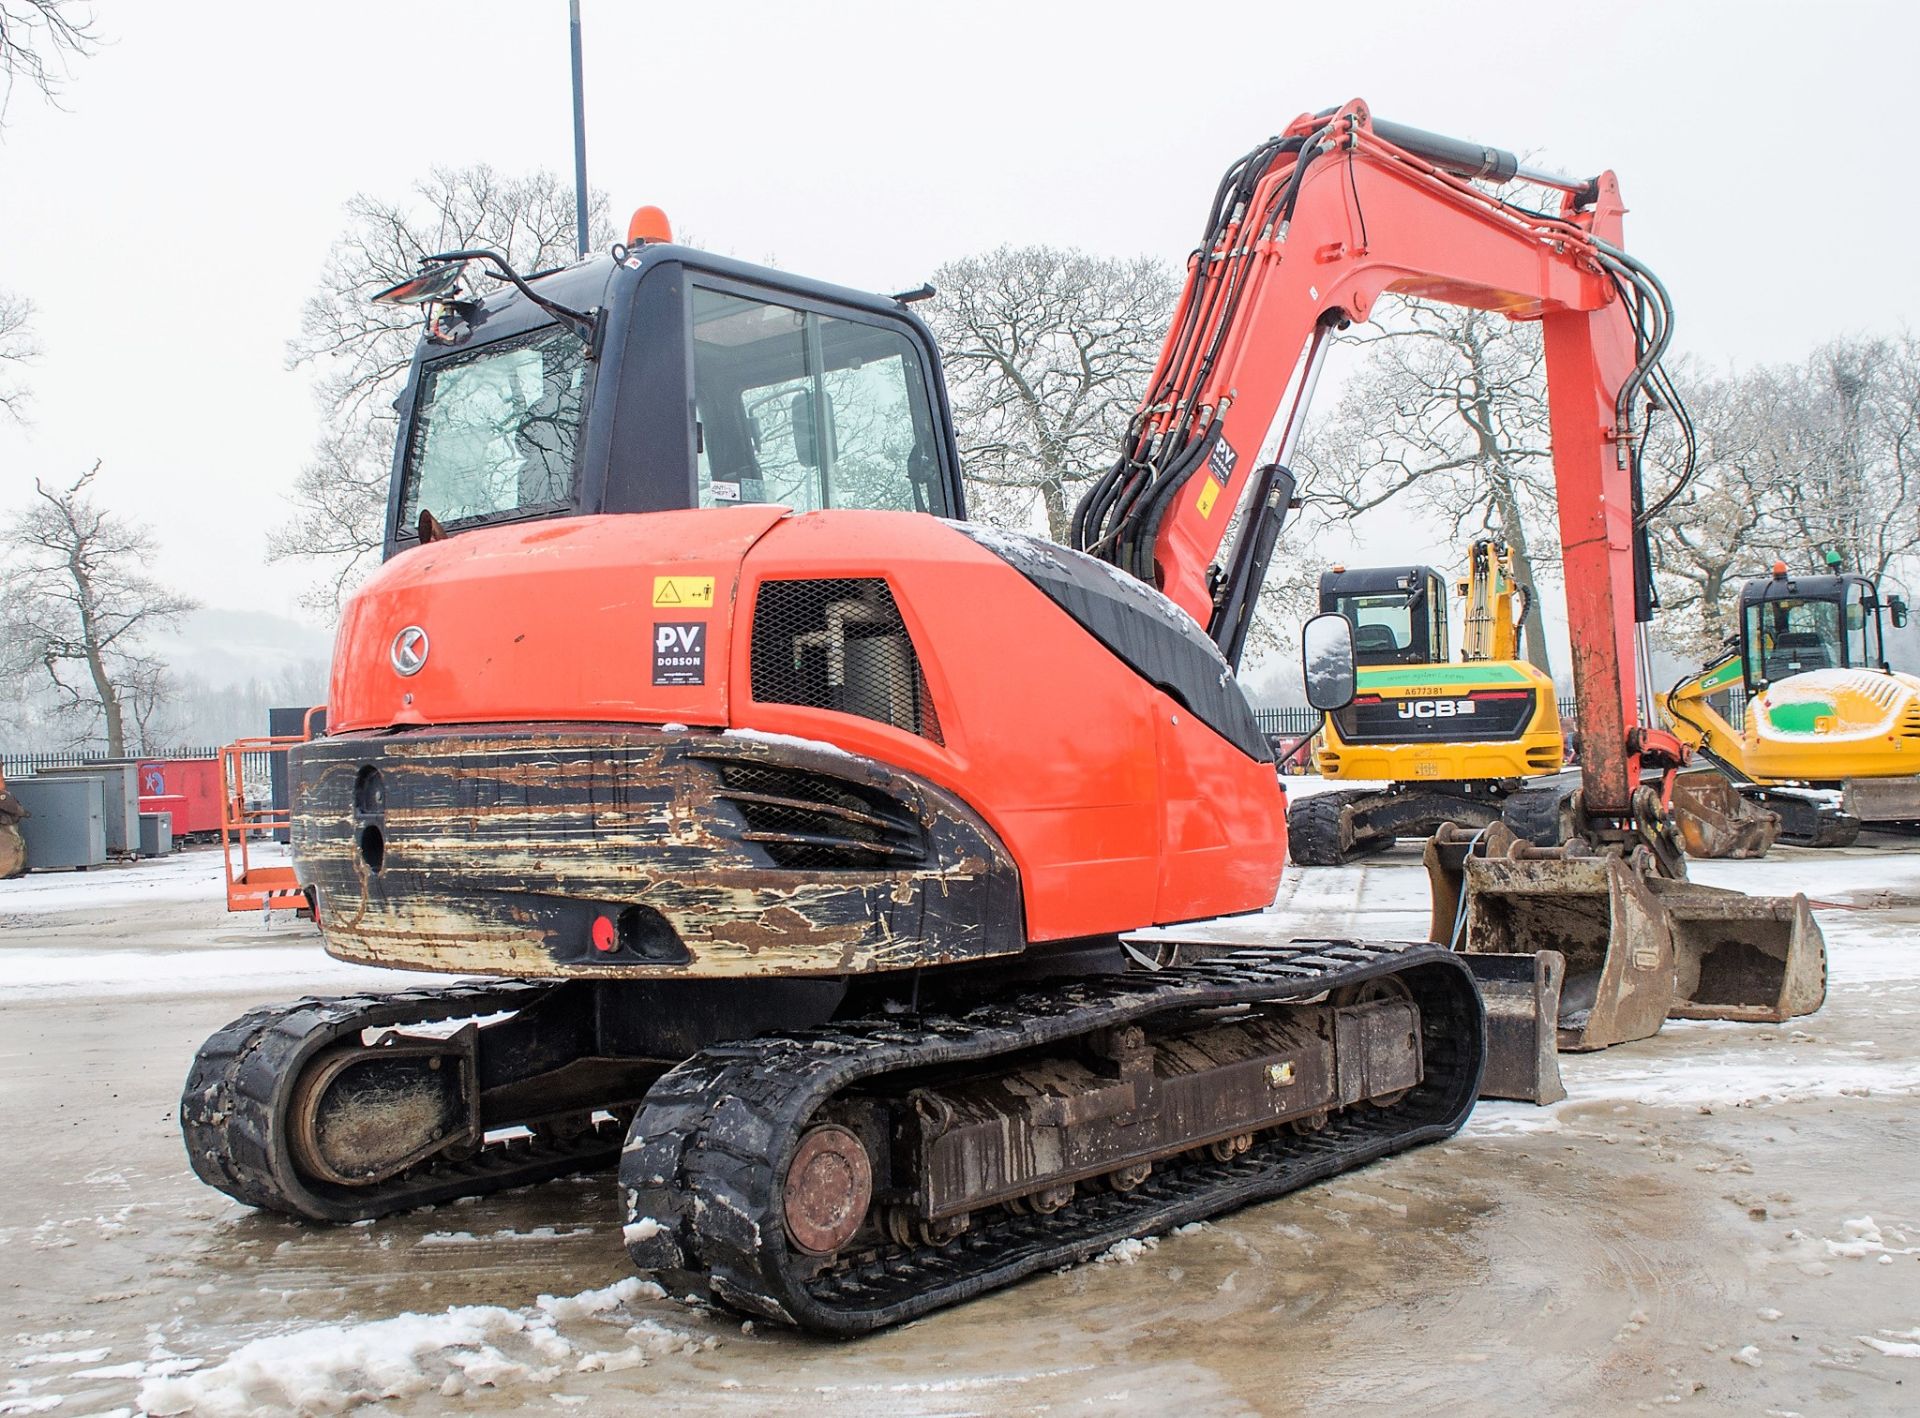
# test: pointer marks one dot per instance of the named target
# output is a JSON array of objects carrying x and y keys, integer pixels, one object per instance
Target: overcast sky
[{"x": 169, "y": 221}]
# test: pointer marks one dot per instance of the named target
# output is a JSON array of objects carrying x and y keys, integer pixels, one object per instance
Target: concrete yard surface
[{"x": 1722, "y": 1219}]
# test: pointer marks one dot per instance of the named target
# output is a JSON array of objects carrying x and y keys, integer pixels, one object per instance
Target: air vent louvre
[{"x": 804, "y": 821}]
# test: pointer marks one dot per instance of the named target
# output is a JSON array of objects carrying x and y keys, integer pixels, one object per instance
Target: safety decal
[
  {"x": 1209, "y": 494},
  {"x": 1222, "y": 461},
  {"x": 692, "y": 592},
  {"x": 680, "y": 651}
]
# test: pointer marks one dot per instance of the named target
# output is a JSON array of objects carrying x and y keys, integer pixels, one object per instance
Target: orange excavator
[{"x": 806, "y": 824}]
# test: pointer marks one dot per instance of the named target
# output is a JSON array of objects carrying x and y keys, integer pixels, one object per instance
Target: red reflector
[
  {"x": 1501, "y": 694},
  {"x": 603, "y": 933},
  {"x": 1366, "y": 699}
]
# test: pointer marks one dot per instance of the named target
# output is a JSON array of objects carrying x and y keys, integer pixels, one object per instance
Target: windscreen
[
  {"x": 1791, "y": 635},
  {"x": 495, "y": 431},
  {"x": 1383, "y": 627},
  {"x": 809, "y": 410}
]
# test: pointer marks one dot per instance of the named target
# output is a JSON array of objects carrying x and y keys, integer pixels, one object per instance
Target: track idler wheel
[
  {"x": 907, "y": 1229},
  {"x": 361, "y": 1114},
  {"x": 829, "y": 1187},
  {"x": 1044, "y": 1202}
]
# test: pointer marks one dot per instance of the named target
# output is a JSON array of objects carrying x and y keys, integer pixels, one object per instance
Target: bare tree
[
  {"x": 1708, "y": 535},
  {"x": 360, "y": 352},
  {"x": 35, "y": 34},
  {"x": 1047, "y": 355},
  {"x": 1448, "y": 415},
  {"x": 1795, "y": 461},
  {"x": 18, "y": 347},
  {"x": 77, "y": 606},
  {"x": 1859, "y": 491}
]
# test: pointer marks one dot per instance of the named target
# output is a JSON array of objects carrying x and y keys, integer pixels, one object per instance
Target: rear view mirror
[
  {"x": 1897, "y": 605},
  {"x": 1326, "y": 657},
  {"x": 813, "y": 441}
]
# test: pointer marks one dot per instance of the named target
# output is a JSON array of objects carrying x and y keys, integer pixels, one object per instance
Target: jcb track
[
  {"x": 704, "y": 1166},
  {"x": 1333, "y": 829},
  {"x": 1319, "y": 833},
  {"x": 233, "y": 1112}
]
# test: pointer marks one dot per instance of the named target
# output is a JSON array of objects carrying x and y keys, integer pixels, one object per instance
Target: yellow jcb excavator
[
  {"x": 1453, "y": 742},
  {"x": 1468, "y": 743},
  {"x": 1831, "y": 736}
]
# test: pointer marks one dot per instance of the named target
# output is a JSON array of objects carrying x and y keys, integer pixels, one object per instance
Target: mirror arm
[{"x": 1308, "y": 737}]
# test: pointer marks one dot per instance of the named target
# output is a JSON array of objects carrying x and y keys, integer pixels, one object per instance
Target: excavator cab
[
  {"x": 1399, "y": 613},
  {"x": 552, "y": 401},
  {"x": 1790, "y": 625}
]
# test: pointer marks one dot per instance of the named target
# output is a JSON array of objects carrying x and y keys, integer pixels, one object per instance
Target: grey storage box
[
  {"x": 156, "y": 834},
  {"x": 67, "y": 826},
  {"x": 122, "y": 803}
]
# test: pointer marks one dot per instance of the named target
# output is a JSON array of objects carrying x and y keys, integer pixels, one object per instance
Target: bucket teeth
[{"x": 1637, "y": 948}]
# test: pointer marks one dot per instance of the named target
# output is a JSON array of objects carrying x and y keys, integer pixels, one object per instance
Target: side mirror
[
  {"x": 812, "y": 434},
  {"x": 1326, "y": 656},
  {"x": 1897, "y": 607}
]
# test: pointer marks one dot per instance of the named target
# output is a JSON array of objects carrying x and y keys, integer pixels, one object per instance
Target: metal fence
[{"x": 21, "y": 765}]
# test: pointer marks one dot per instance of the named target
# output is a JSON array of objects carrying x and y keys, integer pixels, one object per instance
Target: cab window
[
  {"x": 1791, "y": 635},
  {"x": 1863, "y": 628},
  {"x": 808, "y": 410},
  {"x": 496, "y": 430},
  {"x": 1383, "y": 626}
]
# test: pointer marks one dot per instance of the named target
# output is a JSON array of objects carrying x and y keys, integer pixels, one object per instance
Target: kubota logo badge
[{"x": 409, "y": 651}]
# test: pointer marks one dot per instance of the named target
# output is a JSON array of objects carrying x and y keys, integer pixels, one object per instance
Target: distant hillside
[{"x": 224, "y": 647}]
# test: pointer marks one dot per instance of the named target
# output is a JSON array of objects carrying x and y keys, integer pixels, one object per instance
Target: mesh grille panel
[{"x": 839, "y": 645}]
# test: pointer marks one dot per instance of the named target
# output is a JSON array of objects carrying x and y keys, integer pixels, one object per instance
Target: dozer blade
[
  {"x": 1596, "y": 911},
  {"x": 1714, "y": 820},
  {"x": 1522, "y": 998},
  {"x": 1756, "y": 959}
]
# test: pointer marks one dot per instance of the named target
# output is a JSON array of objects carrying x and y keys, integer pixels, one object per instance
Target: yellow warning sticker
[
  {"x": 687, "y": 592},
  {"x": 1209, "y": 494}
]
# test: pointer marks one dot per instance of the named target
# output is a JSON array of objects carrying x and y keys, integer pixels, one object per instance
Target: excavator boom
[{"x": 1306, "y": 233}]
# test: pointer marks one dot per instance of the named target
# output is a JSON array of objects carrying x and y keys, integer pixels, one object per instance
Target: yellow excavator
[
  {"x": 1453, "y": 742},
  {"x": 1831, "y": 735}
]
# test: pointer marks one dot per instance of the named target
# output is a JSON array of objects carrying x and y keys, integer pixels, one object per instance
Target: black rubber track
[
  {"x": 708, "y": 1153},
  {"x": 1805, "y": 821},
  {"x": 1316, "y": 827},
  {"x": 231, "y": 1113}
]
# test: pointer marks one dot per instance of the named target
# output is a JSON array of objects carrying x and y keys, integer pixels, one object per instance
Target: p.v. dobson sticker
[{"x": 680, "y": 652}]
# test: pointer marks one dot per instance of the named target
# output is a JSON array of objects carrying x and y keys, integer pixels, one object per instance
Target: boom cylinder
[{"x": 1454, "y": 155}]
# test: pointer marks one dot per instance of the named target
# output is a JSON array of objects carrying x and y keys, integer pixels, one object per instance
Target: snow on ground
[
  {"x": 220, "y": 952},
  {"x": 193, "y": 875},
  {"x": 292, "y": 968},
  {"x": 467, "y": 1348}
]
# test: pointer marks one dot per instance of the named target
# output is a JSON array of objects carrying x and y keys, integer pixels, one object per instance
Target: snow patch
[
  {"x": 785, "y": 740},
  {"x": 1128, "y": 1251},
  {"x": 598, "y": 1302},
  {"x": 1899, "y": 1346},
  {"x": 327, "y": 1368},
  {"x": 645, "y": 1229}
]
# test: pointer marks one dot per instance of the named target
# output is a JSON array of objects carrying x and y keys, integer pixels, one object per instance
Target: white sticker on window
[{"x": 725, "y": 492}]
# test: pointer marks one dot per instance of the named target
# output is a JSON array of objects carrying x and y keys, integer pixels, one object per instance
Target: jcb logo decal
[{"x": 1434, "y": 708}]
